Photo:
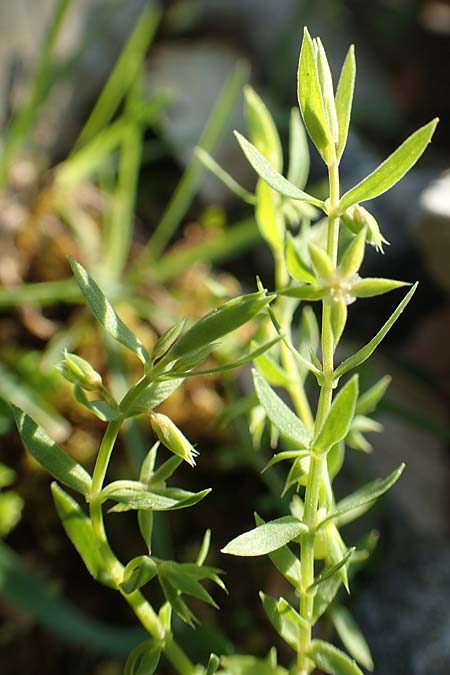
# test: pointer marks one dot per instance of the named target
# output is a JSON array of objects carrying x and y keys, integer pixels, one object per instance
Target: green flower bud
[
  {"x": 356, "y": 218},
  {"x": 170, "y": 436},
  {"x": 80, "y": 372}
]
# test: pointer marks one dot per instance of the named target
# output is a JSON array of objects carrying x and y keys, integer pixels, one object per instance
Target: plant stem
[
  {"x": 296, "y": 388},
  {"x": 318, "y": 463},
  {"x": 141, "y": 607}
]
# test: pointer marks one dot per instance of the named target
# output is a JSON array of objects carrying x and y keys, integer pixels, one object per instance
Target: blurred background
[{"x": 55, "y": 199}]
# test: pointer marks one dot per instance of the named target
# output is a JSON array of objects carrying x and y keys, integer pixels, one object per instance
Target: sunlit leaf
[
  {"x": 50, "y": 455},
  {"x": 337, "y": 423},
  {"x": 266, "y": 538},
  {"x": 331, "y": 660},
  {"x": 285, "y": 561},
  {"x": 311, "y": 101},
  {"x": 365, "y": 352},
  {"x": 78, "y": 528},
  {"x": 104, "y": 312},
  {"x": 344, "y": 99},
  {"x": 298, "y": 151},
  {"x": 365, "y": 496},
  {"x": 273, "y": 178},
  {"x": 262, "y": 129},
  {"x": 392, "y": 169}
]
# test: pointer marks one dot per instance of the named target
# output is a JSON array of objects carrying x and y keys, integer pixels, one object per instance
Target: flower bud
[
  {"x": 357, "y": 218},
  {"x": 80, "y": 372},
  {"x": 170, "y": 436}
]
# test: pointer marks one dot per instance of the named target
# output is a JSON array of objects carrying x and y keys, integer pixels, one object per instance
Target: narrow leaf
[
  {"x": 331, "y": 660},
  {"x": 167, "y": 339},
  {"x": 321, "y": 261},
  {"x": 154, "y": 394},
  {"x": 352, "y": 638},
  {"x": 307, "y": 292},
  {"x": 272, "y": 371},
  {"x": 140, "y": 498},
  {"x": 266, "y": 538},
  {"x": 220, "y": 173},
  {"x": 344, "y": 98},
  {"x": 353, "y": 255},
  {"x": 282, "y": 456},
  {"x": 287, "y": 629},
  {"x": 367, "y": 495},
  {"x": 331, "y": 570},
  {"x": 78, "y": 528},
  {"x": 50, "y": 455},
  {"x": 365, "y": 352},
  {"x": 273, "y": 178},
  {"x": 311, "y": 101},
  {"x": 368, "y": 401},
  {"x": 338, "y": 421},
  {"x": 392, "y": 169},
  {"x": 298, "y": 151},
  {"x": 282, "y": 417},
  {"x": 297, "y": 267},
  {"x": 262, "y": 129},
  {"x": 370, "y": 287},
  {"x": 220, "y": 321},
  {"x": 325, "y": 594},
  {"x": 285, "y": 561},
  {"x": 268, "y": 216},
  {"x": 104, "y": 312}
]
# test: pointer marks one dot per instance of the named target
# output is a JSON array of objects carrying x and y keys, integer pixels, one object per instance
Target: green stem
[
  {"x": 296, "y": 387},
  {"x": 318, "y": 463},
  {"x": 141, "y": 607}
]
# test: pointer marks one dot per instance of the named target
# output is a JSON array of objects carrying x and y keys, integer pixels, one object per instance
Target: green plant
[{"x": 319, "y": 263}]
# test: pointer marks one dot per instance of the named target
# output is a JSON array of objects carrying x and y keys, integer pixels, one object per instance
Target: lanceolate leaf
[
  {"x": 219, "y": 322},
  {"x": 365, "y": 352},
  {"x": 268, "y": 216},
  {"x": 266, "y": 538},
  {"x": 351, "y": 636},
  {"x": 156, "y": 393},
  {"x": 262, "y": 129},
  {"x": 288, "y": 630},
  {"x": 391, "y": 170},
  {"x": 50, "y": 455},
  {"x": 79, "y": 529},
  {"x": 104, "y": 312},
  {"x": 273, "y": 178},
  {"x": 225, "y": 177},
  {"x": 331, "y": 570},
  {"x": 344, "y": 98},
  {"x": 311, "y": 102},
  {"x": 368, "y": 401},
  {"x": 298, "y": 151},
  {"x": 370, "y": 287},
  {"x": 285, "y": 561},
  {"x": 140, "y": 498},
  {"x": 324, "y": 596},
  {"x": 367, "y": 495},
  {"x": 337, "y": 424},
  {"x": 282, "y": 417},
  {"x": 331, "y": 660},
  {"x": 296, "y": 265}
]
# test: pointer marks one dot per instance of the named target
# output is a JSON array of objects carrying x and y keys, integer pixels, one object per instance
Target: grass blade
[{"x": 123, "y": 75}]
